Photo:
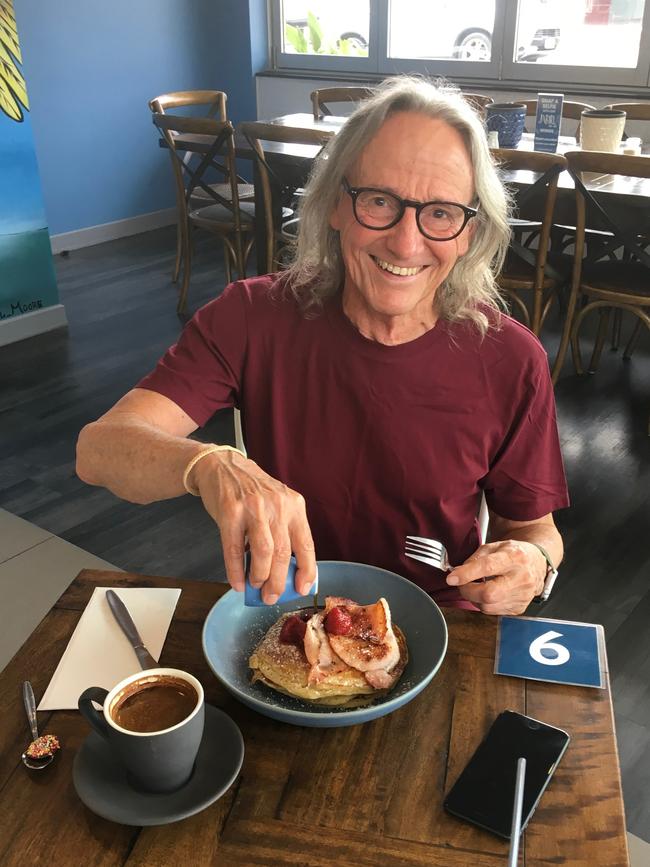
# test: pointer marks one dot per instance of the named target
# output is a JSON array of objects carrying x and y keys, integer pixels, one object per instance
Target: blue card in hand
[
  {"x": 559, "y": 651},
  {"x": 253, "y": 595}
]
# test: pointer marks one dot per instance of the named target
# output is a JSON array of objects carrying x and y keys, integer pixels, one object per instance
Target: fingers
[
  {"x": 484, "y": 563},
  {"x": 249, "y": 505},
  {"x": 233, "y": 557},
  {"x": 302, "y": 544},
  {"x": 512, "y": 582},
  {"x": 500, "y": 595}
]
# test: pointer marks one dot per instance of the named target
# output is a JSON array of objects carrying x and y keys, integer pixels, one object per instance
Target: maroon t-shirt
[{"x": 382, "y": 441}]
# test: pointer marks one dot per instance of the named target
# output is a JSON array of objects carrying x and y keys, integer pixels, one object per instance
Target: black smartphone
[{"x": 484, "y": 792}]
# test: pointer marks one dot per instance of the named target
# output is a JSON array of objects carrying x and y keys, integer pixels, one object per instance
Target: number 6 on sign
[
  {"x": 557, "y": 651},
  {"x": 545, "y": 643}
]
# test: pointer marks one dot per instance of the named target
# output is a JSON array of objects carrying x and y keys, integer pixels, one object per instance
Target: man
[{"x": 381, "y": 389}]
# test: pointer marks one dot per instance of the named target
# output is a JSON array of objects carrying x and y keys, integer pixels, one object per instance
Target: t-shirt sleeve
[
  {"x": 526, "y": 479},
  {"x": 202, "y": 372}
]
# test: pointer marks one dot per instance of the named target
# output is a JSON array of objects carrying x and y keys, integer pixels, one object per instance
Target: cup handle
[{"x": 93, "y": 716}]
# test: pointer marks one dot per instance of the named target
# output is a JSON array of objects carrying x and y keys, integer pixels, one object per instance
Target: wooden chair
[
  {"x": 226, "y": 217},
  {"x": 276, "y": 193},
  {"x": 570, "y": 110},
  {"x": 213, "y": 104},
  {"x": 321, "y": 98},
  {"x": 633, "y": 110},
  {"x": 602, "y": 283},
  {"x": 478, "y": 101},
  {"x": 527, "y": 270}
]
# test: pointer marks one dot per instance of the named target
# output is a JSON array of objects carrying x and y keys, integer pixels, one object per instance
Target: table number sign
[
  {"x": 548, "y": 121},
  {"x": 558, "y": 651}
]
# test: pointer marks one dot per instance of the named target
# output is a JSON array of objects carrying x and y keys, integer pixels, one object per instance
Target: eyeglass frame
[{"x": 353, "y": 192}]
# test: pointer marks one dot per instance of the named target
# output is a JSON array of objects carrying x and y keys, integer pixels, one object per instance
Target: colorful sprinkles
[{"x": 43, "y": 746}]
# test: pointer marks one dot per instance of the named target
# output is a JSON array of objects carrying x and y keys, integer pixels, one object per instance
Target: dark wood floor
[{"x": 121, "y": 309}]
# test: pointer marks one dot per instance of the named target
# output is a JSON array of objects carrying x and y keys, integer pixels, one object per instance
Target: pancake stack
[{"x": 343, "y": 656}]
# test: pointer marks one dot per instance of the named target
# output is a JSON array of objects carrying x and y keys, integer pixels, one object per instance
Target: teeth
[{"x": 395, "y": 269}]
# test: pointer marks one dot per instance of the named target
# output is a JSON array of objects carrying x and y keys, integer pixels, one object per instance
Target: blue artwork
[
  {"x": 559, "y": 651},
  {"x": 27, "y": 279}
]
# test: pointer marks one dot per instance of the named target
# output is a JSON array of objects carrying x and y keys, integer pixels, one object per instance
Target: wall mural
[{"x": 27, "y": 279}]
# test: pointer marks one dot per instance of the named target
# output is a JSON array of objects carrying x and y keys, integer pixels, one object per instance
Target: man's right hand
[{"x": 248, "y": 504}]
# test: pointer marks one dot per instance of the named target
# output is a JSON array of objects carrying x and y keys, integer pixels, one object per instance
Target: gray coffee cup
[{"x": 155, "y": 761}]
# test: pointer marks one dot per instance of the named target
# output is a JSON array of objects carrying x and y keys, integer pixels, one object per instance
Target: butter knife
[{"x": 128, "y": 627}]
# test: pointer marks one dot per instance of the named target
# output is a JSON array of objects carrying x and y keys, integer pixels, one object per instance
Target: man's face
[{"x": 419, "y": 158}]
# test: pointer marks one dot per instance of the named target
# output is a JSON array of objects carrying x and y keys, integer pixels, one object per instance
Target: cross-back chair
[
  {"x": 277, "y": 187},
  {"x": 213, "y": 103},
  {"x": 322, "y": 98},
  {"x": 570, "y": 110},
  {"x": 527, "y": 272},
  {"x": 226, "y": 217},
  {"x": 599, "y": 281},
  {"x": 635, "y": 111}
]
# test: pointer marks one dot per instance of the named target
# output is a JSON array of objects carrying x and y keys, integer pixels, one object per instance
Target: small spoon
[{"x": 47, "y": 744}]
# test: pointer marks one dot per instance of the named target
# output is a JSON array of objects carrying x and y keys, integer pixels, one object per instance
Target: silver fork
[{"x": 428, "y": 551}]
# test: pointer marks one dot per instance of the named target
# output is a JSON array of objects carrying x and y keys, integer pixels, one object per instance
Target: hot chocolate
[{"x": 153, "y": 704}]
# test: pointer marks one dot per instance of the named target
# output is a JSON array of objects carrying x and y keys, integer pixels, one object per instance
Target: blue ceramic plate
[{"x": 232, "y": 631}]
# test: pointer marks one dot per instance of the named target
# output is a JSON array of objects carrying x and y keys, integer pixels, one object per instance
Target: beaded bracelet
[{"x": 210, "y": 450}]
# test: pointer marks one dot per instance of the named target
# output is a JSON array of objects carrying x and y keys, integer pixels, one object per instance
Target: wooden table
[
  {"x": 292, "y": 165},
  {"x": 366, "y": 795}
]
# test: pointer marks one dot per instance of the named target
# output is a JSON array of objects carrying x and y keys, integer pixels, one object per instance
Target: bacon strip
[
  {"x": 382, "y": 679},
  {"x": 371, "y": 644},
  {"x": 322, "y": 658}
]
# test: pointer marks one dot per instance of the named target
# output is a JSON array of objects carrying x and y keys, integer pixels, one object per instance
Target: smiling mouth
[{"x": 396, "y": 269}]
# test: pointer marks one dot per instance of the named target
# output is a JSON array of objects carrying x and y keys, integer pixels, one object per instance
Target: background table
[
  {"x": 367, "y": 795},
  {"x": 292, "y": 164}
]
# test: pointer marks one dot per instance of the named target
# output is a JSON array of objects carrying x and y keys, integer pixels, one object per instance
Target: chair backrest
[
  {"x": 534, "y": 203},
  {"x": 213, "y": 103},
  {"x": 213, "y": 100},
  {"x": 214, "y": 141},
  {"x": 478, "y": 101},
  {"x": 256, "y": 133},
  {"x": 634, "y": 111},
  {"x": 320, "y": 98},
  {"x": 608, "y": 212},
  {"x": 570, "y": 110}
]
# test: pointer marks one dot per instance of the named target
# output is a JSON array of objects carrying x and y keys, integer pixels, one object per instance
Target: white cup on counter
[{"x": 632, "y": 146}]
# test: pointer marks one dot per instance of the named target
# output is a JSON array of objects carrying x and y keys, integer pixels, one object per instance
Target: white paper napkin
[{"x": 99, "y": 654}]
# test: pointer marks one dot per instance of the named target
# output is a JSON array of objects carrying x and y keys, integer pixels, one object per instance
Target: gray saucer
[{"x": 100, "y": 781}]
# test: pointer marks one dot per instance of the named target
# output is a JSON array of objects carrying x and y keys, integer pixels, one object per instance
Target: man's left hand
[{"x": 501, "y": 577}]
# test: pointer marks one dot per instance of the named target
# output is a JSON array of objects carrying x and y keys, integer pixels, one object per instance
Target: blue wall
[{"x": 92, "y": 66}]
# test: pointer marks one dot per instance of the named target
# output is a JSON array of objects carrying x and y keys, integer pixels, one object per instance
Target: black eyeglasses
[{"x": 379, "y": 209}]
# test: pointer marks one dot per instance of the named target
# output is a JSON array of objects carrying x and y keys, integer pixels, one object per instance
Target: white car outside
[{"x": 460, "y": 29}]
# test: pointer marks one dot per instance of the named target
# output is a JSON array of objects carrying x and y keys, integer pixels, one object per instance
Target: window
[{"x": 589, "y": 42}]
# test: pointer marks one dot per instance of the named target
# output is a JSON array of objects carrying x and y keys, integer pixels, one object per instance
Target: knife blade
[{"x": 128, "y": 627}]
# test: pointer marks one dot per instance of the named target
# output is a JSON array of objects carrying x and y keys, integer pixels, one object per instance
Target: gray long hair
[{"x": 317, "y": 269}]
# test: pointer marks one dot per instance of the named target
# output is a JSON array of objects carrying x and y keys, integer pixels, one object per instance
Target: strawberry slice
[
  {"x": 293, "y": 631},
  {"x": 338, "y": 621}
]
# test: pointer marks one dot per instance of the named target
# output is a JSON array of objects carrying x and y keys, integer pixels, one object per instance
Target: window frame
[
  {"x": 326, "y": 62},
  {"x": 500, "y": 71},
  {"x": 579, "y": 75}
]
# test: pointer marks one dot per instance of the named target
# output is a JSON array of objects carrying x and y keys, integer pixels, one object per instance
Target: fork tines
[{"x": 426, "y": 551}]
